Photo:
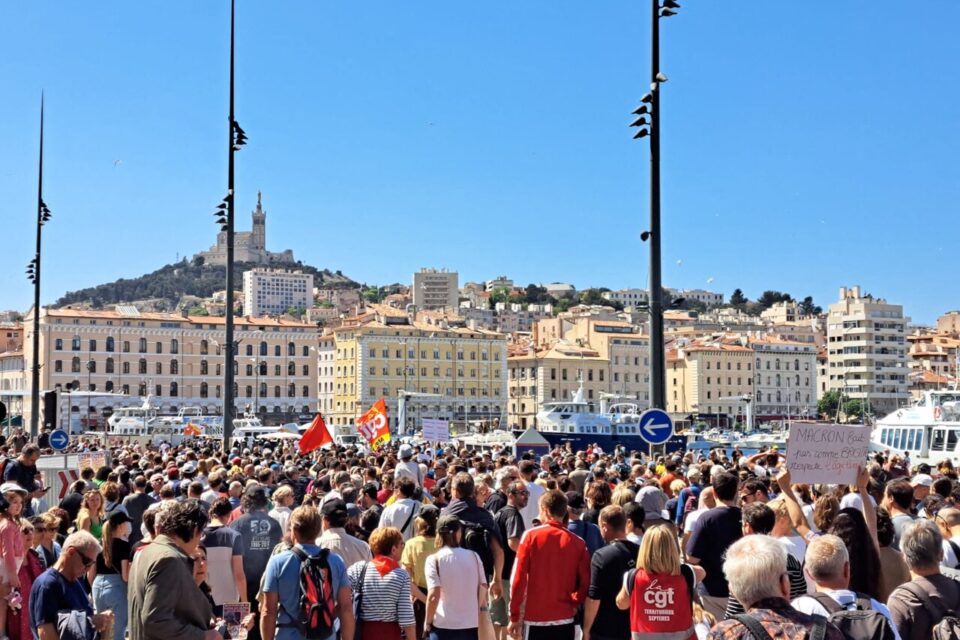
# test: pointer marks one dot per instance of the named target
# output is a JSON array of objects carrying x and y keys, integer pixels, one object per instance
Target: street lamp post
[
  {"x": 256, "y": 388},
  {"x": 33, "y": 274},
  {"x": 651, "y": 105},
  {"x": 225, "y": 218}
]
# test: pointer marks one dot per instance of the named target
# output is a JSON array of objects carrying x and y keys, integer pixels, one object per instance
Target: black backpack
[
  {"x": 478, "y": 540},
  {"x": 316, "y": 611},
  {"x": 860, "y": 623}
]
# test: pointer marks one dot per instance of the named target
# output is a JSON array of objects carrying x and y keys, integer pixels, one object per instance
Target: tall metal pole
[
  {"x": 228, "y": 346},
  {"x": 658, "y": 396},
  {"x": 35, "y": 364}
]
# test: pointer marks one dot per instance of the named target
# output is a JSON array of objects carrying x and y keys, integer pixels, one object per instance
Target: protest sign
[
  {"x": 93, "y": 460},
  {"x": 826, "y": 453},
  {"x": 435, "y": 430}
]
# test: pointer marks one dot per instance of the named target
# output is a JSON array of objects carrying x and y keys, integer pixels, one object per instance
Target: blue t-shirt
[
  {"x": 52, "y": 593},
  {"x": 283, "y": 578}
]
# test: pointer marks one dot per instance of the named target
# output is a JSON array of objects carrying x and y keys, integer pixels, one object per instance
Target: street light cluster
[
  {"x": 647, "y": 121},
  {"x": 221, "y": 213},
  {"x": 240, "y": 137}
]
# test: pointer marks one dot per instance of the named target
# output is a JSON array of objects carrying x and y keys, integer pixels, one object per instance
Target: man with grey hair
[
  {"x": 920, "y": 604},
  {"x": 58, "y": 589},
  {"x": 828, "y": 565},
  {"x": 504, "y": 477},
  {"x": 756, "y": 572}
]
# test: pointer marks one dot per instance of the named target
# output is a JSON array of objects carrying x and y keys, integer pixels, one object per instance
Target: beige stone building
[
  {"x": 552, "y": 375},
  {"x": 177, "y": 360},
  {"x": 384, "y": 351},
  {"x": 610, "y": 356},
  {"x": 707, "y": 379},
  {"x": 867, "y": 350},
  {"x": 436, "y": 289},
  {"x": 934, "y": 352},
  {"x": 949, "y": 324},
  {"x": 785, "y": 378}
]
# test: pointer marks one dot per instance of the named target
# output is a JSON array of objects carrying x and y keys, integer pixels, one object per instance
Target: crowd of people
[{"x": 163, "y": 543}]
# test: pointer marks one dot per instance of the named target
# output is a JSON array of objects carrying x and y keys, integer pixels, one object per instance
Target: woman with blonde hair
[
  {"x": 90, "y": 516},
  {"x": 645, "y": 589},
  {"x": 622, "y": 495}
]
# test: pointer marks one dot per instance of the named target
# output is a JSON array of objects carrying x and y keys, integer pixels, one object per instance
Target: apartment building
[
  {"x": 461, "y": 371},
  {"x": 867, "y": 351},
  {"x": 436, "y": 289},
  {"x": 785, "y": 378},
  {"x": 271, "y": 292},
  {"x": 627, "y": 297},
  {"x": 176, "y": 359},
  {"x": 326, "y": 355}
]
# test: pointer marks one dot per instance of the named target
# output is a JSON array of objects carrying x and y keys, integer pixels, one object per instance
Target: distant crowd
[{"x": 190, "y": 542}]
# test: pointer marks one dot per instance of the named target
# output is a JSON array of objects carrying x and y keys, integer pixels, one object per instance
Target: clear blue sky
[{"x": 805, "y": 145}]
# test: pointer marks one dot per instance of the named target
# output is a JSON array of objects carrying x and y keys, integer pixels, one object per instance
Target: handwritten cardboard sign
[
  {"x": 435, "y": 430},
  {"x": 826, "y": 453}
]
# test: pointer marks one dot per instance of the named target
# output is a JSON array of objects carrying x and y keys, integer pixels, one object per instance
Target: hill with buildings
[{"x": 174, "y": 285}]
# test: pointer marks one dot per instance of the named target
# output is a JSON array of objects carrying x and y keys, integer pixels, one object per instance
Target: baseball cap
[
  {"x": 7, "y": 487},
  {"x": 575, "y": 500},
  {"x": 919, "y": 480},
  {"x": 189, "y": 467},
  {"x": 406, "y": 451},
  {"x": 334, "y": 507},
  {"x": 255, "y": 491},
  {"x": 118, "y": 517},
  {"x": 448, "y": 524}
]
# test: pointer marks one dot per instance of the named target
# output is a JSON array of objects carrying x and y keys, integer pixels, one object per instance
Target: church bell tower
[{"x": 258, "y": 240}]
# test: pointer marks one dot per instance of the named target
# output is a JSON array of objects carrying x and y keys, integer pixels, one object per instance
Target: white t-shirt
[
  {"x": 282, "y": 515},
  {"x": 950, "y": 559},
  {"x": 459, "y": 573},
  {"x": 532, "y": 510},
  {"x": 409, "y": 469},
  {"x": 692, "y": 518}
]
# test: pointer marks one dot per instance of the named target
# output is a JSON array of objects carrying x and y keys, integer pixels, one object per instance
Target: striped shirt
[{"x": 385, "y": 598}]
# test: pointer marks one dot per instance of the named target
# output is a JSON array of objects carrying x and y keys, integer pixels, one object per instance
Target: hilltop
[{"x": 168, "y": 286}]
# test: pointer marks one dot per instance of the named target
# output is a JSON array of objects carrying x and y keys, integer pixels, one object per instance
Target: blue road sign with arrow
[
  {"x": 59, "y": 439},
  {"x": 656, "y": 426}
]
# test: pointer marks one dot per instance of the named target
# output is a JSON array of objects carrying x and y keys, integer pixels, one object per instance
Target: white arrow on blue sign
[
  {"x": 656, "y": 426},
  {"x": 59, "y": 439}
]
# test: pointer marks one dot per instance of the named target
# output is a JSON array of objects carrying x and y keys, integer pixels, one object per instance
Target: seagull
[
  {"x": 710, "y": 279},
  {"x": 117, "y": 163},
  {"x": 679, "y": 262}
]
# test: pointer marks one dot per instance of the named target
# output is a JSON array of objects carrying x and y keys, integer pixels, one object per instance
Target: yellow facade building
[{"x": 460, "y": 372}]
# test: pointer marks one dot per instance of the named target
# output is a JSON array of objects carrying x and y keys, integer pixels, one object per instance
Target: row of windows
[
  {"x": 174, "y": 368},
  {"x": 412, "y": 371},
  {"x": 174, "y": 389},
  {"x": 411, "y": 353},
  {"x": 776, "y": 365},
  {"x": 460, "y": 391},
  {"x": 110, "y": 347}
]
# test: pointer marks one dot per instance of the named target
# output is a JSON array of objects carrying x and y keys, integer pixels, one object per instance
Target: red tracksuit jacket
[{"x": 551, "y": 575}]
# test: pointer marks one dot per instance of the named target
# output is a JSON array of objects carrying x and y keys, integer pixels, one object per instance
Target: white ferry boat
[
  {"x": 929, "y": 429},
  {"x": 145, "y": 422},
  {"x": 572, "y": 422}
]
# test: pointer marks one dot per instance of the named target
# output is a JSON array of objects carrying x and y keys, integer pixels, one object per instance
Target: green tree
[
  {"x": 535, "y": 294},
  {"x": 808, "y": 308},
  {"x": 737, "y": 299},
  {"x": 769, "y": 298},
  {"x": 853, "y": 409},
  {"x": 500, "y": 294},
  {"x": 827, "y": 404}
]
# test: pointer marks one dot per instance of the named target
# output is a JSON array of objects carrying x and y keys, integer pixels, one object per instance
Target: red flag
[{"x": 315, "y": 437}]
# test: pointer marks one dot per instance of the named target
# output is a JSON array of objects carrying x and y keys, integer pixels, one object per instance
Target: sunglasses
[{"x": 85, "y": 560}]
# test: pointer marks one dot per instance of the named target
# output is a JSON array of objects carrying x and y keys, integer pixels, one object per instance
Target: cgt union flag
[{"x": 374, "y": 425}]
